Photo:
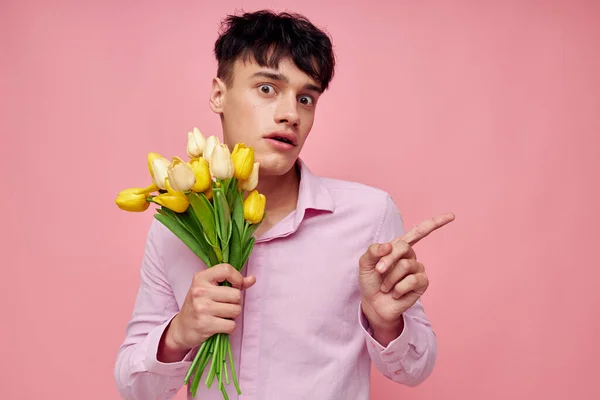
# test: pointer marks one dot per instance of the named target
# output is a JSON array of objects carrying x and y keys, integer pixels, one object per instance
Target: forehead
[{"x": 286, "y": 71}]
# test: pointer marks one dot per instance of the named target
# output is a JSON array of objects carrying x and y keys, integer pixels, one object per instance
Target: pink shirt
[{"x": 302, "y": 334}]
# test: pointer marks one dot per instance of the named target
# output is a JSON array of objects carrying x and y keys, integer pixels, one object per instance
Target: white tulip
[
  {"x": 209, "y": 147},
  {"x": 221, "y": 164},
  {"x": 160, "y": 173},
  {"x": 181, "y": 175},
  {"x": 196, "y": 143}
]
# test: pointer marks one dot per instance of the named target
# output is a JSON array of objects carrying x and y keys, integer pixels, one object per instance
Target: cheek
[
  {"x": 238, "y": 112},
  {"x": 307, "y": 123},
  {"x": 250, "y": 107}
]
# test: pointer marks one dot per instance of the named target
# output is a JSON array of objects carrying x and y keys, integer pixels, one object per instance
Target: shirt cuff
[
  {"x": 397, "y": 348},
  {"x": 153, "y": 365}
]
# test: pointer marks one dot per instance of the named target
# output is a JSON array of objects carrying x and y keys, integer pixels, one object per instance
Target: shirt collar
[
  {"x": 312, "y": 193},
  {"x": 313, "y": 198}
]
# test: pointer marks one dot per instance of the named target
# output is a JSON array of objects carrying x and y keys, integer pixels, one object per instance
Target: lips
[{"x": 283, "y": 137}]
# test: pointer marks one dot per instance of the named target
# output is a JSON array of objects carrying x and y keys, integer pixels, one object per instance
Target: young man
[{"x": 332, "y": 283}]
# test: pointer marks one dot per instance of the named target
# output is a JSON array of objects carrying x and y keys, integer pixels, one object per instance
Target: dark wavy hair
[{"x": 268, "y": 37}]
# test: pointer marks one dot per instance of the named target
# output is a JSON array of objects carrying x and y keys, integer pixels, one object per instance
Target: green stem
[
  {"x": 194, "y": 363},
  {"x": 213, "y": 366},
  {"x": 233, "y": 374},
  {"x": 225, "y": 370},
  {"x": 204, "y": 360},
  {"x": 219, "y": 363},
  {"x": 226, "y": 345},
  {"x": 225, "y": 397},
  {"x": 205, "y": 357}
]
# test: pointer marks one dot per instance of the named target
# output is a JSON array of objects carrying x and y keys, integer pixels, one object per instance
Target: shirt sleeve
[
  {"x": 138, "y": 373},
  {"x": 409, "y": 359}
]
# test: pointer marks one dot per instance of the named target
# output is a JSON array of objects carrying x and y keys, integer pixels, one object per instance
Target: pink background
[{"x": 486, "y": 109}]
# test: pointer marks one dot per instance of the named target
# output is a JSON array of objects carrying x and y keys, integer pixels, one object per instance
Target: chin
[{"x": 276, "y": 164}]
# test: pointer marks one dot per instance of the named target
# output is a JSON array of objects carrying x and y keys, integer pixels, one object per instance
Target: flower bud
[
  {"x": 254, "y": 207},
  {"x": 252, "y": 181},
  {"x": 181, "y": 175},
  {"x": 243, "y": 160},
  {"x": 202, "y": 173},
  {"x": 159, "y": 171},
  {"x": 221, "y": 164},
  {"x": 151, "y": 158},
  {"x": 133, "y": 199},
  {"x": 209, "y": 147},
  {"x": 196, "y": 143},
  {"x": 173, "y": 200}
]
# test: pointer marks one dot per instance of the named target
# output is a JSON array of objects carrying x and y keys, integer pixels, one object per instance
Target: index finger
[
  {"x": 225, "y": 272},
  {"x": 426, "y": 227}
]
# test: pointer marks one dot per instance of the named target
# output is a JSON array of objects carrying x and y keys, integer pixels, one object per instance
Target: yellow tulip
[
  {"x": 159, "y": 171},
  {"x": 254, "y": 207},
  {"x": 252, "y": 181},
  {"x": 209, "y": 147},
  {"x": 181, "y": 176},
  {"x": 221, "y": 164},
  {"x": 243, "y": 160},
  {"x": 147, "y": 190},
  {"x": 196, "y": 143},
  {"x": 173, "y": 200},
  {"x": 133, "y": 199},
  {"x": 202, "y": 173}
]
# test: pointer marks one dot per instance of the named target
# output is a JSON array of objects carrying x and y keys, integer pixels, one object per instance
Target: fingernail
[
  {"x": 384, "y": 288},
  {"x": 380, "y": 266}
]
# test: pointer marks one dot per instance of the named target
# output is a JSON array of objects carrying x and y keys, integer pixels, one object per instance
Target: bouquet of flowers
[{"x": 211, "y": 203}]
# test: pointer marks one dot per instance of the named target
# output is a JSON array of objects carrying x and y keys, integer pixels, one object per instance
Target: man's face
[{"x": 271, "y": 110}]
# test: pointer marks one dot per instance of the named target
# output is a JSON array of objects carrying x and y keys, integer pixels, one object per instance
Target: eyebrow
[{"x": 280, "y": 77}]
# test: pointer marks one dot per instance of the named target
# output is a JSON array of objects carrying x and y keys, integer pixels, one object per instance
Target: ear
[{"x": 217, "y": 95}]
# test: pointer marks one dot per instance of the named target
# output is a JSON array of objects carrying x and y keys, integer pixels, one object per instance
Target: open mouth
[{"x": 282, "y": 140}]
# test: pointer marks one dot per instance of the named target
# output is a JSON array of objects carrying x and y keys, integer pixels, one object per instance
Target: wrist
[
  {"x": 386, "y": 334},
  {"x": 170, "y": 348},
  {"x": 382, "y": 330}
]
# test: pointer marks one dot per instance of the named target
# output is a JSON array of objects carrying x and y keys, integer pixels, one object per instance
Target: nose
[{"x": 287, "y": 112}]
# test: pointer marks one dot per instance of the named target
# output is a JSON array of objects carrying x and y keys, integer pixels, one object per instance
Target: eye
[
  {"x": 306, "y": 100},
  {"x": 266, "y": 89}
]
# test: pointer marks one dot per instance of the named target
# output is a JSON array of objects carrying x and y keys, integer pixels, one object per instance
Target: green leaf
[
  {"x": 250, "y": 231},
  {"x": 235, "y": 248},
  {"x": 188, "y": 220},
  {"x": 248, "y": 250},
  {"x": 216, "y": 249},
  {"x": 222, "y": 215},
  {"x": 196, "y": 229},
  {"x": 184, "y": 235},
  {"x": 238, "y": 211},
  {"x": 205, "y": 214},
  {"x": 225, "y": 184},
  {"x": 225, "y": 251},
  {"x": 232, "y": 192},
  {"x": 179, "y": 217}
]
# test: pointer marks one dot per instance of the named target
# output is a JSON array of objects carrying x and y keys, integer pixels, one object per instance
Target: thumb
[
  {"x": 248, "y": 282},
  {"x": 371, "y": 257}
]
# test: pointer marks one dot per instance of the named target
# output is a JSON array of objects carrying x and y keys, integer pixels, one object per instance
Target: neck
[{"x": 281, "y": 192}]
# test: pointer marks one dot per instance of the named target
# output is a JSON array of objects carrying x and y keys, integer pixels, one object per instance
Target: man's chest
[{"x": 309, "y": 276}]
